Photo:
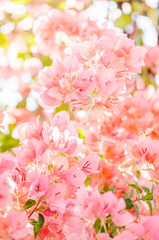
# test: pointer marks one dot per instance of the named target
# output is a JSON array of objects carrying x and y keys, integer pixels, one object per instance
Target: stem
[
  {"x": 36, "y": 207},
  {"x": 137, "y": 199},
  {"x": 103, "y": 224}
]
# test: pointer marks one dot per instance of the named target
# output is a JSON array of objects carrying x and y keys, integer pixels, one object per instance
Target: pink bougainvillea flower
[
  {"x": 7, "y": 163},
  {"x": 74, "y": 176},
  {"x": 56, "y": 197},
  {"x": 6, "y": 197},
  {"x": 152, "y": 59},
  {"x": 151, "y": 226},
  {"x": 88, "y": 203},
  {"x": 74, "y": 229},
  {"x": 146, "y": 149},
  {"x": 115, "y": 207},
  {"x": 18, "y": 221},
  {"x": 39, "y": 187},
  {"x": 125, "y": 235},
  {"x": 89, "y": 164}
]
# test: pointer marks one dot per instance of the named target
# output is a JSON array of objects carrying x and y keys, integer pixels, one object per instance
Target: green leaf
[
  {"x": 154, "y": 201},
  {"x": 46, "y": 61},
  {"x": 11, "y": 128},
  {"x": 139, "y": 40},
  {"x": 94, "y": 92},
  {"x": 87, "y": 181},
  {"x": 8, "y": 142},
  {"x": 150, "y": 206},
  {"x": 41, "y": 220},
  {"x": 22, "y": 104},
  {"x": 123, "y": 21},
  {"x": 131, "y": 193},
  {"x": 102, "y": 230},
  {"x": 37, "y": 227},
  {"x": 128, "y": 203},
  {"x": 104, "y": 189},
  {"x": 97, "y": 225},
  {"x": 125, "y": 193},
  {"x": 101, "y": 156},
  {"x": 36, "y": 230},
  {"x": 138, "y": 174},
  {"x": 81, "y": 134},
  {"x": 62, "y": 107},
  {"x": 146, "y": 190},
  {"x": 136, "y": 187},
  {"x": 114, "y": 230},
  {"x": 89, "y": 100},
  {"x": 137, "y": 210},
  {"x": 29, "y": 204},
  {"x": 33, "y": 221},
  {"x": 112, "y": 189},
  {"x": 148, "y": 196},
  {"x": 40, "y": 208},
  {"x": 3, "y": 41},
  {"x": 153, "y": 187},
  {"x": 21, "y": 55},
  {"x": 109, "y": 220},
  {"x": 137, "y": 6}
]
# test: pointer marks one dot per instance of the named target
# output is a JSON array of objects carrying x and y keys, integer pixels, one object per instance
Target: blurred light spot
[
  {"x": 62, "y": 37},
  {"x": 110, "y": 25},
  {"x": 126, "y": 8},
  {"x": 118, "y": 30},
  {"x": 112, "y": 5},
  {"x": 70, "y": 4},
  {"x": 152, "y": 3},
  {"x": 7, "y": 28},
  {"x": 113, "y": 15},
  {"x": 1, "y": 15},
  {"x": 3, "y": 58},
  {"x": 26, "y": 24},
  {"x": 32, "y": 101},
  {"x": 149, "y": 32},
  {"x": 150, "y": 36},
  {"x": 26, "y": 77},
  {"x": 157, "y": 79},
  {"x": 98, "y": 11},
  {"x": 79, "y": 6},
  {"x": 143, "y": 22},
  {"x": 14, "y": 62},
  {"x": 81, "y": 114},
  {"x": 134, "y": 16},
  {"x": 3, "y": 61},
  {"x": 129, "y": 29},
  {"x": 9, "y": 94},
  {"x": 14, "y": 8},
  {"x": 31, "y": 104}
]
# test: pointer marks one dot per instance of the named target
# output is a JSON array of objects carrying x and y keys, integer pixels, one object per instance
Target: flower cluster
[
  {"x": 85, "y": 164},
  {"x": 96, "y": 68}
]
